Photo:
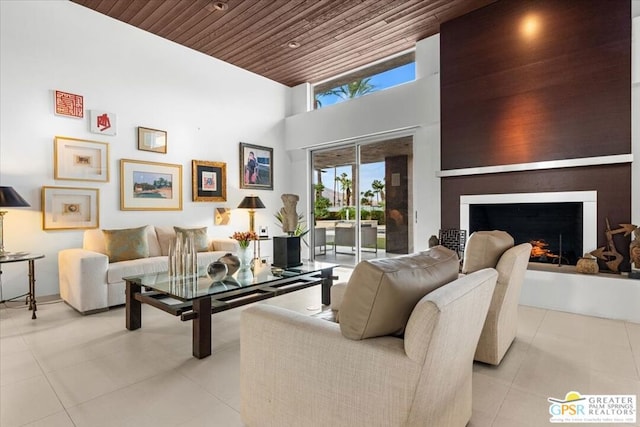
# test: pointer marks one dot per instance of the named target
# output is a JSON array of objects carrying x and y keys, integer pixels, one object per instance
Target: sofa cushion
[
  {"x": 484, "y": 248},
  {"x": 200, "y": 237},
  {"x": 165, "y": 235},
  {"x": 118, "y": 270},
  {"x": 382, "y": 293},
  {"x": 93, "y": 240},
  {"x": 126, "y": 244}
]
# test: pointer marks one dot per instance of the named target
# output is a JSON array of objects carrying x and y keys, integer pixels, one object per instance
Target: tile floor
[{"x": 64, "y": 369}]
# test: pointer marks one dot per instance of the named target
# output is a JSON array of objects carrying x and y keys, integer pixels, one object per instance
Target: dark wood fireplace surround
[{"x": 561, "y": 93}]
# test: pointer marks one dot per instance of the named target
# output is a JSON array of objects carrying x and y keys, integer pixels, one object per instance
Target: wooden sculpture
[{"x": 609, "y": 253}]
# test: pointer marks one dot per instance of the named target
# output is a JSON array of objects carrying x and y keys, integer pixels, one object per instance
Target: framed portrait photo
[
  {"x": 80, "y": 160},
  {"x": 69, "y": 208},
  {"x": 208, "y": 181},
  {"x": 150, "y": 186},
  {"x": 152, "y": 140},
  {"x": 256, "y": 167}
]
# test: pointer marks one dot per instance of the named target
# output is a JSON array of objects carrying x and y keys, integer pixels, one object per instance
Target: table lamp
[
  {"x": 251, "y": 203},
  {"x": 9, "y": 198}
]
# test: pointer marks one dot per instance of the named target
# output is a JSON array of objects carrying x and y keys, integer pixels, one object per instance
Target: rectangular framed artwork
[
  {"x": 69, "y": 104},
  {"x": 256, "y": 167},
  {"x": 152, "y": 140},
  {"x": 69, "y": 208},
  {"x": 222, "y": 216},
  {"x": 102, "y": 122},
  {"x": 148, "y": 186},
  {"x": 208, "y": 181},
  {"x": 80, "y": 160}
]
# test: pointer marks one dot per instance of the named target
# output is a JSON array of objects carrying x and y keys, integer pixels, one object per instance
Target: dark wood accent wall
[
  {"x": 612, "y": 182},
  {"x": 525, "y": 81},
  {"x": 535, "y": 80}
]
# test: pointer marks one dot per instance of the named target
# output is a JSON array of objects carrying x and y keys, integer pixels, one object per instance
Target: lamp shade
[
  {"x": 251, "y": 202},
  {"x": 9, "y": 198}
]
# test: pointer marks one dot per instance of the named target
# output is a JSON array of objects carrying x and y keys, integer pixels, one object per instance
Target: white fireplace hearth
[{"x": 561, "y": 288}]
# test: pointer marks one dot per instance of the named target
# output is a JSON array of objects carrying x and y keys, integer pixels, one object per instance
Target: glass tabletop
[
  {"x": 18, "y": 256},
  {"x": 187, "y": 288}
]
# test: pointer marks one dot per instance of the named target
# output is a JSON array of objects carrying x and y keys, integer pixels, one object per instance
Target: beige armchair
[
  {"x": 298, "y": 370},
  {"x": 495, "y": 249}
]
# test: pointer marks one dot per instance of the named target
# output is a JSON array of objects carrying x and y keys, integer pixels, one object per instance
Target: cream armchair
[
  {"x": 495, "y": 249},
  {"x": 298, "y": 370}
]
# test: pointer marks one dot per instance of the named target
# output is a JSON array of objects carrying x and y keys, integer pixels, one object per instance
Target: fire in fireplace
[{"x": 553, "y": 229}]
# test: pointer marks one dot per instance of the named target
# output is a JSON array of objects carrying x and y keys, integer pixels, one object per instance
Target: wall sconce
[
  {"x": 251, "y": 203},
  {"x": 9, "y": 198}
]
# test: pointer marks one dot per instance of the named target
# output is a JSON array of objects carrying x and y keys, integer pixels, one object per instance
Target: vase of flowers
[{"x": 244, "y": 238}]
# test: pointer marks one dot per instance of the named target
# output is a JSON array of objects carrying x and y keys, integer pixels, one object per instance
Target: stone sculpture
[{"x": 288, "y": 213}]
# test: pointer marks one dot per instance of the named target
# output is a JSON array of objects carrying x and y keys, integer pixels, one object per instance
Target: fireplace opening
[{"x": 554, "y": 229}]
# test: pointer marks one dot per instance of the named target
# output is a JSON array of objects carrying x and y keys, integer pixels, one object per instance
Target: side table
[{"x": 30, "y": 258}]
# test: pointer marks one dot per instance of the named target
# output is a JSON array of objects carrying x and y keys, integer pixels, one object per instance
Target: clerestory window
[{"x": 379, "y": 76}]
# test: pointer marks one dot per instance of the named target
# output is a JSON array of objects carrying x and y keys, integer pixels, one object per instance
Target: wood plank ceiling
[{"x": 333, "y": 36}]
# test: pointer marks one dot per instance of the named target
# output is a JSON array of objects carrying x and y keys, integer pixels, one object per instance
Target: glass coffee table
[{"x": 197, "y": 299}]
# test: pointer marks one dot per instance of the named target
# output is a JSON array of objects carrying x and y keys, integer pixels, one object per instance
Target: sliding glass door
[{"x": 362, "y": 204}]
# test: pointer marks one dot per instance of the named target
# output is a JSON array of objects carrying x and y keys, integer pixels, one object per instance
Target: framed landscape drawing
[
  {"x": 208, "y": 181},
  {"x": 80, "y": 160},
  {"x": 69, "y": 208},
  {"x": 152, "y": 140},
  {"x": 256, "y": 167},
  {"x": 148, "y": 186}
]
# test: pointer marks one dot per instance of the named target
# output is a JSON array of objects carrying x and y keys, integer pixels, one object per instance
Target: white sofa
[{"x": 90, "y": 283}]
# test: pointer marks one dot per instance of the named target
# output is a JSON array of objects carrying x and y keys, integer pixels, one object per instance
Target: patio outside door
[{"x": 361, "y": 204}]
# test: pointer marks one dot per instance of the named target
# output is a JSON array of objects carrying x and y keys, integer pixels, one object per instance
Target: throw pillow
[
  {"x": 126, "y": 244},
  {"x": 484, "y": 248},
  {"x": 382, "y": 293},
  {"x": 200, "y": 237}
]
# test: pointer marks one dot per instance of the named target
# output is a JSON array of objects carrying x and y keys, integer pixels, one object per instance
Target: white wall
[
  {"x": 206, "y": 106},
  {"x": 410, "y": 108}
]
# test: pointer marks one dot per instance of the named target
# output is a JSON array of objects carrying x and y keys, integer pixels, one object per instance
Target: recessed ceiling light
[
  {"x": 218, "y": 5},
  {"x": 294, "y": 44}
]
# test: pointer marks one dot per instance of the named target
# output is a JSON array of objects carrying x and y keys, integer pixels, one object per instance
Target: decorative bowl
[
  {"x": 217, "y": 271},
  {"x": 277, "y": 271}
]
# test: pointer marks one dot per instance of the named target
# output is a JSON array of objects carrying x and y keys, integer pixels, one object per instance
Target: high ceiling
[{"x": 332, "y": 36}]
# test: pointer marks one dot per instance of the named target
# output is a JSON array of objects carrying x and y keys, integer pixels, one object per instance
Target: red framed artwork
[{"x": 69, "y": 104}]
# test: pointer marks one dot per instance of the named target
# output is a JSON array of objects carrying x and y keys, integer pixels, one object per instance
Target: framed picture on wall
[
  {"x": 222, "y": 216},
  {"x": 149, "y": 186},
  {"x": 256, "y": 167},
  {"x": 69, "y": 208},
  {"x": 80, "y": 160},
  {"x": 152, "y": 140},
  {"x": 208, "y": 181}
]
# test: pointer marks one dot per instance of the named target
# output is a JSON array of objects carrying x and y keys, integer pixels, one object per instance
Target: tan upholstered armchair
[
  {"x": 298, "y": 370},
  {"x": 495, "y": 249}
]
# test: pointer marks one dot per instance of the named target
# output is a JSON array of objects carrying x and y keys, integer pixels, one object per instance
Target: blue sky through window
[{"x": 386, "y": 79}]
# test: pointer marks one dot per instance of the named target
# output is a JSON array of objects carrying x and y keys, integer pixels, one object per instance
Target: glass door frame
[{"x": 357, "y": 144}]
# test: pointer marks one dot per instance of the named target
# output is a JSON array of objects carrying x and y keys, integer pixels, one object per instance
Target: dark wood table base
[{"x": 200, "y": 310}]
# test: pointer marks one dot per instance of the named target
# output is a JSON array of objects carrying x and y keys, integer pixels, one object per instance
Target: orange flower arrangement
[{"x": 244, "y": 237}]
